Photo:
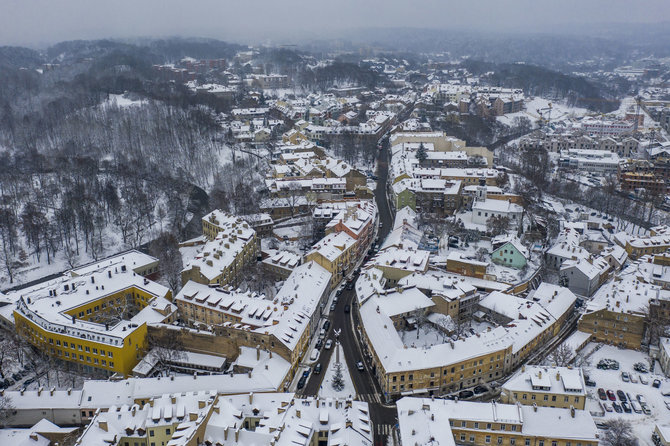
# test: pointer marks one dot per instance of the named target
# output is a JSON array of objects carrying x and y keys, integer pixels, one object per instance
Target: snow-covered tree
[{"x": 338, "y": 377}]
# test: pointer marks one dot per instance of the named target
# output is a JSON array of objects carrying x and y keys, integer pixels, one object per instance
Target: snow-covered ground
[
  {"x": 122, "y": 101},
  {"x": 427, "y": 336},
  {"x": 327, "y": 390},
  {"x": 559, "y": 111},
  {"x": 643, "y": 425}
]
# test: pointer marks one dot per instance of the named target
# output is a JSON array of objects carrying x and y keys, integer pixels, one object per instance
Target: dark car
[
  {"x": 656, "y": 383},
  {"x": 347, "y": 308},
  {"x": 350, "y": 285},
  {"x": 611, "y": 395},
  {"x": 317, "y": 369},
  {"x": 626, "y": 407},
  {"x": 601, "y": 394},
  {"x": 319, "y": 344},
  {"x": 326, "y": 325},
  {"x": 622, "y": 395},
  {"x": 305, "y": 374},
  {"x": 301, "y": 382},
  {"x": 617, "y": 407},
  {"x": 464, "y": 394},
  {"x": 480, "y": 389},
  {"x": 589, "y": 382},
  {"x": 29, "y": 381},
  {"x": 338, "y": 292}
]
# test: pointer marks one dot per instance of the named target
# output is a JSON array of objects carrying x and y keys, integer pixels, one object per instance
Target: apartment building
[
  {"x": 546, "y": 387},
  {"x": 95, "y": 321},
  {"x": 282, "y": 325},
  {"x": 424, "y": 421},
  {"x": 336, "y": 253},
  {"x": 229, "y": 244}
]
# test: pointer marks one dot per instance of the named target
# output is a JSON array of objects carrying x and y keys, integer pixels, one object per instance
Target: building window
[{"x": 488, "y": 439}]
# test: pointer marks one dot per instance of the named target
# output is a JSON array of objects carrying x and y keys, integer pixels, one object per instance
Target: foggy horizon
[{"x": 37, "y": 23}]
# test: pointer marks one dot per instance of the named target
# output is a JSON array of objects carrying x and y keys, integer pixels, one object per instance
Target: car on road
[
  {"x": 347, "y": 308},
  {"x": 333, "y": 306},
  {"x": 306, "y": 373},
  {"x": 611, "y": 395},
  {"x": 319, "y": 344},
  {"x": 350, "y": 285},
  {"x": 625, "y": 377},
  {"x": 335, "y": 299},
  {"x": 338, "y": 293},
  {"x": 622, "y": 395},
  {"x": 360, "y": 366},
  {"x": 317, "y": 369},
  {"x": 480, "y": 389},
  {"x": 315, "y": 355},
  {"x": 656, "y": 383},
  {"x": 464, "y": 394},
  {"x": 301, "y": 382},
  {"x": 329, "y": 344},
  {"x": 601, "y": 394},
  {"x": 617, "y": 407}
]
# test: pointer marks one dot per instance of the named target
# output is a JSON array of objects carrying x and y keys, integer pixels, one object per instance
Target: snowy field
[
  {"x": 559, "y": 111},
  {"x": 327, "y": 390},
  {"x": 643, "y": 425}
]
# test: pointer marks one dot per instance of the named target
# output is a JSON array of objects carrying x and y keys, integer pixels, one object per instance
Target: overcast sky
[{"x": 43, "y": 22}]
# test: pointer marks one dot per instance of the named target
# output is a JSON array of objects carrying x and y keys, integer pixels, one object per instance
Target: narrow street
[{"x": 367, "y": 389}]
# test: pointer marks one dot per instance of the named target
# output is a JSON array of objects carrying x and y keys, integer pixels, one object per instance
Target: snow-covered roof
[
  {"x": 426, "y": 421},
  {"x": 558, "y": 380}
]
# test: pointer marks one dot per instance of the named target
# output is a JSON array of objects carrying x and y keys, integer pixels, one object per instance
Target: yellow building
[
  {"x": 425, "y": 421},
  {"x": 336, "y": 253},
  {"x": 546, "y": 386},
  {"x": 95, "y": 322},
  {"x": 231, "y": 245}
]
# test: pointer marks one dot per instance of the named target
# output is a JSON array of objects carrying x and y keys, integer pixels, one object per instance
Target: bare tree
[
  {"x": 166, "y": 249},
  {"x": 497, "y": 225},
  {"x": 7, "y": 410},
  {"x": 165, "y": 349},
  {"x": 562, "y": 355},
  {"x": 620, "y": 433}
]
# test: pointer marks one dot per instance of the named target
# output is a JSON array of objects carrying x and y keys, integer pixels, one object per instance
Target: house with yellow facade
[
  {"x": 547, "y": 387},
  {"x": 336, "y": 253},
  {"x": 95, "y": 321}
]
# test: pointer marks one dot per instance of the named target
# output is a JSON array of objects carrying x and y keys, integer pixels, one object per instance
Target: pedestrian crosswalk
[
  {"x": 383, "y": 429},
  {"x": 370, "y": 397}
]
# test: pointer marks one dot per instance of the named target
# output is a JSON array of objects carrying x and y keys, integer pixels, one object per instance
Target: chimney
[
  {"x": 258, "y": 353},
  {"x": 69, "y": 390},
  {"x": 539, "y": 374},
  {"x": 534, "y": 407},
  {"x": 133, "y": 410},
  {"x": 39, "y": 391},
  {"x": 201, "y": 404},
  {"x": 251, "y": 397},
  {"x": 173, "y": 399},
  {"x": 34, "y": 437},
  {"x": 102, "y": 425},
  {"x": 237, "y": 435},
  {"x": 192, "y": 416},
  {"x": 572, "y": 411},
  {"x": 51, "y": 391},
  {"x": 558, "y": 376},
  {"x": 225, "y": 434},
  {"x": 297, "y": 413}
]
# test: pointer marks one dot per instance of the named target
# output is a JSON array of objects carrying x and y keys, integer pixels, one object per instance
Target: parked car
[
  {"x": 622, "y": 395},
  {"x": 656, "y": 383},
  {"x": 640, "y": 367},
  {"x": 301, "y": 382},
  {"x": 645, "y": 409},
  {"x": 641, "y": 399},
  {"x": 636, "y": 407},
  {"x": 607, "y": 406},
  {"x": 329, "y": 344},
  {"x": 360, "y": 366},
  {"x": 326, "y": 325},
  {"x": 333, "y": 306},
  {"x": 589, "y": 382},
  {"x": 315, "y": 355},
  {"x": 633, "y": 379},
  {"x": 465, "y": 394},
  {"x": 617, "y": 407},
  {"x": 643, "y": 380},
  {"x": 667, "y": 404},
  {"x": 335, "y": 299},
  {"x": 306, "y": 373},
  {"x": 347, "y": 308},
  {"x": 317, "y": 369},
  {"x": 626, "y": 407},
  {"x": 611, "y": 395},
  {"x": 601, "y": 394},
  {"x": 319, "y": 344},
  {"x": 625, "y": 377},
  {"x": 608, "y": 364}
]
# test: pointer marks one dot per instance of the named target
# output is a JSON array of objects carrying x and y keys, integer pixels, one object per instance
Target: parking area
[{"x": 638, "y": 388}]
